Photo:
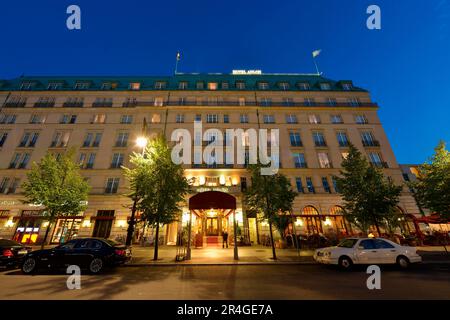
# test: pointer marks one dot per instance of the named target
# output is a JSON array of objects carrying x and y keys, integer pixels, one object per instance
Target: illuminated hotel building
[{"x": 101, "y": 117}]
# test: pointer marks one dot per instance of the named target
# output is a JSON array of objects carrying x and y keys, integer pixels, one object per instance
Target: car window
[
  {"x": 367, "y": 244},
  {"x": 381, "y": 244},
  {"x": 347, "y": 243},
  {"x": 68, "y": 245},
  {"x": 95, "y": 244},
  {"x": 82, "y": 244}
]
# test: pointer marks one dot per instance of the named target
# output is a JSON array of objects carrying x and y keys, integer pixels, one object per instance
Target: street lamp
[{"x": 141, "y": 142}]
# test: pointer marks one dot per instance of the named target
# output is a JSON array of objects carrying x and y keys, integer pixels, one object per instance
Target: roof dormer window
[
  {"x": 283, "y": 86},
  {"x": 159, "y": 85},
  {"x": 347, "y": 86},
  {"x": 240, "y": 85},
  {"x": 183, "y": 85},
  {"x": 27, "y": 85},
  {"x": 54, "y": 86},
  {"x": 303, "y": 86},
  {"x": 135, "y": 85},
  {"x": 212, "y": 85},
  {"x": 325, "y": 86},
  {"x": 200, "y": 85},
  {"x": 263, "y": 85},
  {"x": 81, "y": 85}
]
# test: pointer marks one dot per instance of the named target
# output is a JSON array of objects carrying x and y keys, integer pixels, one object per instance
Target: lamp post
[{"x": 141, "y": 142}]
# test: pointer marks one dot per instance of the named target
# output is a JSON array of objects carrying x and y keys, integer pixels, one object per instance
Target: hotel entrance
[{"x": 211, "y": 215}]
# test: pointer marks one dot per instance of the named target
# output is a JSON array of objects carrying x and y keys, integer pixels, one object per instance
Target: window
[
  {"x": 200, "y": 85},
  {"x": 269, "y": 119},
  {"x": 225, "y": 85},
  {"x": 3, "y": 136},
  {"x": 344, "y": 155},
  {"x": 303, "y": 86},
  {"x": 37, "y": 119},
  {"x": 212, "y": 118},
  {"x": 243, "y": 118},
  {"x": 336, "y": 119},
  {"x": 347, "y": 86},
  {"x": 29, "y": 139},
  {"x": 342, "y": 138},
  {"x": 291, "y": 119},
  {"x": 212, "y": 85},
  {"x": 73, "y": 102},
  {"x": 314, "y": 119},
  {"x": 295, "y": 139},
  {"x": 183, "y": 85},
  {"x": 92, "y": 139},
  {"x": 310, "y": 102},
  {"x": 117, "y": 160},
  {"x": 45, "y": 102},
  {"x": 198, "y": 117},
  {"x": 6, "y": 187},
  {"x": 112, "y": 184},
  {"x": 81, "y": 85},
  {"x": 361, "y": 119},
  {"x": 99, "y": 118},
  {"x": 226, "y": 118},
  {"x": 103, "y": 103},
  {"x": 179, "y": 118},
  {"x": 160, "y": 85},
  {"x": 382, "y": 244},
  {"x": 16, "y": 102},
  {"x": 283, "y": 86},
  {"x": 299, "y": 160},
  {"x": 354, "y": 102},
  {"x": 324, "y": 161},
  {"x": 135, "y": 86},
  {"x": 325, "y": 86},
  {"x": 122, "y": 139},
  {"x": 27, "y": 85},
  {"x": 106, "y": 86},
  {"x": 241, "y": 101},
  {"x": 19, "y": 161},
  {"x": 299, "y": 184},
  {"x": 87, "y": 160},
  {"x": 240, "y": 85},
  {"x": 266, "y": 102},
  {"x": 156, "y": 118},
  {"x": 213, "y": 101},
  {"x": 54, "y": 86},
  {"x": 263, "y": 85},
  {"x": 335, "y": 185},
  {"x": 68, "y": 119},
  {"x": 376, "y": 159},
  {"x": 326, "y": 185},
  {"x": 130, "y": 102},
  {"x": 159, "y": 102},
  {"x": 368, "y": 139},
  {"x": 332, "y": 102},
  {"x": 367, "y": 244},
  {"x": 7, "y": 118},
  {"x": 319, "y": 139},
  {"x": 309, "y": 185},
  {"x": 126, "y": 119},
  {"x": 288, "y": 102},
  {"x": 60, "y": 139}
]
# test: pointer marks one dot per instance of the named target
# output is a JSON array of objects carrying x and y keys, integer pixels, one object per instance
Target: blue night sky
[{"x": 406, "y": 65}]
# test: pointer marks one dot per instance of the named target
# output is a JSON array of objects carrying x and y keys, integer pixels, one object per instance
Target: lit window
[
  {"x": 314, "y": 119},
  {"x": 183, "y": 85},
  {"x": 324, "y": 161},
  {"x": 159, "y": 102},
  {"x": 212, "y": 85},
  {"x": 135, "y": 86}
]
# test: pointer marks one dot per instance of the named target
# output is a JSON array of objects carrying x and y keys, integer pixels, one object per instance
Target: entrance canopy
[{"x": 212, "y": 200}]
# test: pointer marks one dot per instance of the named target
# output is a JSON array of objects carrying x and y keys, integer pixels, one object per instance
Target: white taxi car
[{"x": 367, "y": 251}]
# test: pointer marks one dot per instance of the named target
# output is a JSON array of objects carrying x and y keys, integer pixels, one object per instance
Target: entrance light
[
  {"x": 9, "y": 223},
  {"x": 222, "y": 180},
  {"x": 202, "y": 180},
  {"x": 327, "y": 222},
  {"x": 299, "y": 222}
]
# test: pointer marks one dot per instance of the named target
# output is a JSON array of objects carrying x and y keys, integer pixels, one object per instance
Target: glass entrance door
[{"x": 212, "y": 227}]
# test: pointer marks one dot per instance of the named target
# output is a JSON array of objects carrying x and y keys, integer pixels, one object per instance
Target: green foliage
[
  {"x": 281, "y": 222},
  {"x": 369, "y": 197},
  {"x": 432, "y": 187},
  {"x": 157, "y": 184},
  {"x": 56, "y": 184},
  {"x": 271, "y": 196}
]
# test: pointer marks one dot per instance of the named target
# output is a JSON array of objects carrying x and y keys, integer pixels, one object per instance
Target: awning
[{"x": 212, "y": 200}]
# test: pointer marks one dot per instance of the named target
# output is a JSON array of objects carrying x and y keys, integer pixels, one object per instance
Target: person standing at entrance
[{"x": 225, "y": 238}]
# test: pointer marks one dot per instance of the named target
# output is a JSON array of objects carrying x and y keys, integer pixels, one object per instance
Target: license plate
[{"x": 22, "y": 252}]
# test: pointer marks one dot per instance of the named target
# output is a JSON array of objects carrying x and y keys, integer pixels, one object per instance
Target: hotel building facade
[{"x": 101, "y": 118}]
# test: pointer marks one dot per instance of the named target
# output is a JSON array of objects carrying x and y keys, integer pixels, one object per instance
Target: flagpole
[
  {"x": 176, "y": 62},
  {"x": 317, "y": 68}
]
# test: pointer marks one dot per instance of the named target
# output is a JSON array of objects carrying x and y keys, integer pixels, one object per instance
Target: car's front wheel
[
  {"x": 29, "y": 265},
  {"x": 403, "y": 262},
  {"x": 345, "y": 263},
  {"x": 96, "y": 266}
]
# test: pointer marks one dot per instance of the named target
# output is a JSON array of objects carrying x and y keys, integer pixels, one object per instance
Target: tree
[
  {"x": 56, "y": 184},
  {"x": 369, "y": 197},
  {"x": 158, "y": 184},
  {"x": 269, "y": 195},
  {"x": 432, "y": 187}
]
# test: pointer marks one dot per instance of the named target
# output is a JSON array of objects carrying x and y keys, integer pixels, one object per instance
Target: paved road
[{"x": 233, "y": 282}]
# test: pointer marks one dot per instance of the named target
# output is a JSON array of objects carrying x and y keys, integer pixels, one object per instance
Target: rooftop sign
[{"x": 246, "y": 72}]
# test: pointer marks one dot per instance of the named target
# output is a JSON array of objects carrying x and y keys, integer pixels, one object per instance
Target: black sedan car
[
  {"x": 12, "y": 253},
  {"x": 93, "y": 254}
]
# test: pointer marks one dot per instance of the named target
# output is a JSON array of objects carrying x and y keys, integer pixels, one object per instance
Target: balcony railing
[
  {"x": 15, "y": 104},
  {"x": 320, "y": 143},
  {"x": 380, "y": 165},
  {"x": 102, "y": 104},
  {"x": 73, "y": 104},
  {"x": 370, "y": 143},
  {"x": 44, "y": 104}
]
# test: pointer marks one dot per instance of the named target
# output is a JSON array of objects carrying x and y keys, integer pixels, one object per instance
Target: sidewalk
[{"x": 219, "y": 256}]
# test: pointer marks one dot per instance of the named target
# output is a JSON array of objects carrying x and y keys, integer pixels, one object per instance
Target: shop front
[
  {"x": 29, "y": 224},
  {"x": 66, "y": 228}
]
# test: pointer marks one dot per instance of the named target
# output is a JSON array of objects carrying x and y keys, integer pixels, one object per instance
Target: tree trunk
[
  {"x": 272, "y": 242},
  {"x": 155, "y": 255},
  {"x": 131, "y": 224},
  {"x": 378, "y": 228},
  {"x": 46, "y": 235}
]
